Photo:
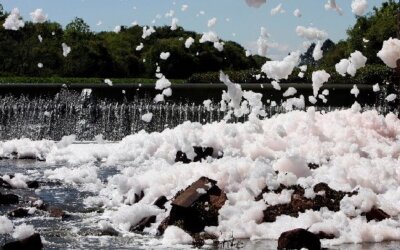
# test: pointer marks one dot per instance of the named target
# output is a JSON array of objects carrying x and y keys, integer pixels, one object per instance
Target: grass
[{"x": 76, "y": 80}]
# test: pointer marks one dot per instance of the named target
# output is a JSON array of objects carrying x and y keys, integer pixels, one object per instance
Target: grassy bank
[{"x": 74, "y": 80}]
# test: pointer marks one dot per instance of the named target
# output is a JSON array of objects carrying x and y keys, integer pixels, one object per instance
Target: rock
[
  {"x": 313, "y": 165},
  {"x": 138, "y": 197},
  {"x": 146, "y": 222},
  {"x": 19, "y": 213},
  {"x": 4, "y": 184},
  {"x": 160, "y": 202},
  {"x": 33, "y": 184},
  {"x": 323, "y": 235},
  {"x": 108, "y": 232},
  {"x": 196, "y": 207},
  {"x": 57, "y": 212},
  {"x": 325, "y": 197},
  {"x": 181, "y": 157},
  {"x": 33, "y": 242},
  {"x": 376, "y": 214},
  {"x": 8, "y": 199},
  {"x": 201, "y": 154},
  {"x": 299, "y": 238}
]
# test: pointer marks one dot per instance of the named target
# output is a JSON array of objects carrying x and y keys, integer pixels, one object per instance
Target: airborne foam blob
[
  {"x": 211, "y": 23},
  {"x": 189, "y": 42},
  {"x": 162, "y": 83},
  {"x": 281, "y": 69},
  {"x": 318, "y": 53},
  {"x": 390, "y": 52},
  {"x": 277, "y": 10},
  {"x": 174, "y": 23},
  {"x": 255, "y": 3},
  {"x": 359, "y": 7},
  {"x": 331, "y": 5},
  {"x": 108, "y": 82},
  {"x": 165, "y": 55},
  {"x": 38, "y": 16},
  {"x": 297, "y": 13},
  {"x": 147, "y": 31},
  {"x": 66, "y": 49},
  {"x": 147, "y": 117},
  {"x": 13, "y": 21},
  {"x": 318, "y": 79},
  {"x": 350, "y": 66},
  {"x": 311, "y": 33}
]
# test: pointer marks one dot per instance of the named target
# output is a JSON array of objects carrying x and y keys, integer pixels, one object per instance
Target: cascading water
[{"x": 82, "y": 114}]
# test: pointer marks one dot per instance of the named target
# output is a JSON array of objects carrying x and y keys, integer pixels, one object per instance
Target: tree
[{"x": 78, "y": 25}]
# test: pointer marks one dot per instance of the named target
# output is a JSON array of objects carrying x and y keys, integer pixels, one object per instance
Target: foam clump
[
  {"x": 350, "y": 66},
  {"x": 359, "y": 7},
  {"x": 311, "y": 33},
  {"x": 23, "y": 231},
  {"x": 332, "y": 5},
  {"x": 390, "y": 52},
  {"x": 26, "y": 148},
  {"x": 6, "y": 225},
  {"x": 14, "y": 20},
  {"x": 127, "y": 216},
  {"x": 147, "y": 117},
  {"x": 189, "y": 42},
  {"x": 162, "y": 83},
  {"x": 38, "y": 16},
  {"x": 255, "y": 3},
  {"x": 164, "y": 55},
  {"x": 173, "y": 235},
  {"x": 318, "y": 79},
  {"x": 66, "y": 49},
  {"x": 295, "y": 165},
  {"x": 281, "y": 69}
]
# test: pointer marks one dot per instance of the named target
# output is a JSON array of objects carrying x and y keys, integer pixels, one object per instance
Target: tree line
[
  {"x": 115, "y": 55},
  {"x": 111, "y": 54}
]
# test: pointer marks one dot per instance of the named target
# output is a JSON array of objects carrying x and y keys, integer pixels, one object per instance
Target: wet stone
[
  {"x": 196, "y": 207},
  {"x": 326, "y": 197},
  {"x": 201, "y": 154},
  {"x": 33, "y": 184},
  {"x": 57, "y": 212},
  {"x": 4, "y": 184},
  {"x": 33, "y": 242},
  {"x": 19, "y": 213},
  {"x": 146, "y": 222},
  {"x": 376, "y": 214},
  {"x": 297, "y": 239},
  {"x": 8, "y": 199}
]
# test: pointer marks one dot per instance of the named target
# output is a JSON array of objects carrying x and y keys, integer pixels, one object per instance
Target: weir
[{"x": 51, "y": 112}]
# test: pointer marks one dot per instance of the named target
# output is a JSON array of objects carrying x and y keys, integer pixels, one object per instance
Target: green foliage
[
  {"x": 376, "y": 27},
  {"x": 370, "y": 74},
  {"x": 75, "y": 80},
  {"x": 110, "y": 54}
]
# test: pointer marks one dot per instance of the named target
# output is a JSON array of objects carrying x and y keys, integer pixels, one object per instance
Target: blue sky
[{"x": 243, "y": 25}]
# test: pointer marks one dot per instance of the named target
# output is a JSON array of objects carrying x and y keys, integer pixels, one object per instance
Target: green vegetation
[
  {"x": 110, "y": 54},
  {"x": 366, "y": 36},
  {"x": 95, "y": 56},
  {"x": 76, "y": 80}
]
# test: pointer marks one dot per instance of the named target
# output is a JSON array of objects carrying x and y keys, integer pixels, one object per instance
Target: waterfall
[{"x": 70, "y": 112}]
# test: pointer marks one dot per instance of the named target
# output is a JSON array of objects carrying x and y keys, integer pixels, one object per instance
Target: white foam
[
  {"x": 23, "y": 231},
  {"x": 38, "y": 16}
]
